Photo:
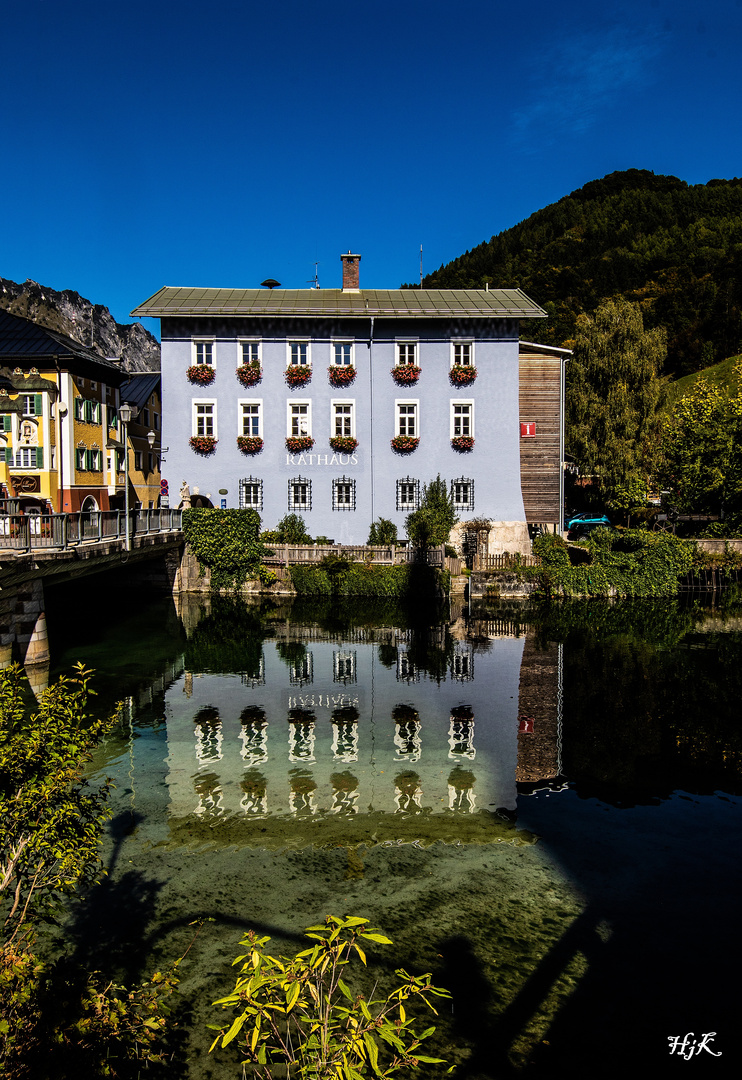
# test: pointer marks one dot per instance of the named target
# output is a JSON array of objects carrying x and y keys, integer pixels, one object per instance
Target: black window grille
[
  {"x": 462, "y": 493},
  {"x": 300, "y": 494},
  {"x": 408, "y": 494},
  {"x": 344, "y": 494},
  {"x": 251, "y": 493}
]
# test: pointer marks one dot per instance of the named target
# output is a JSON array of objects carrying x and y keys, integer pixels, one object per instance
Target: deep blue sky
[{"x": 180, "y": 143}]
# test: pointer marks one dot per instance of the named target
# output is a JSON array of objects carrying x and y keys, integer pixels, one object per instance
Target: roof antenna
[
  {"x": 314, "y": 282},
  {"x": 421, "y": 266}
]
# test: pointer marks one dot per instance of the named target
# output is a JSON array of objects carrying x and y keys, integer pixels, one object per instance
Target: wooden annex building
[{"x": 541, "y": 406}]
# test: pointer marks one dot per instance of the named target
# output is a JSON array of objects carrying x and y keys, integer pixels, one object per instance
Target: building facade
[{"x": 341, "y": 404}]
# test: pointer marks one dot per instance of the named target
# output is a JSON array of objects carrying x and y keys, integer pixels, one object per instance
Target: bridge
[{"x": 35, "y": 547}]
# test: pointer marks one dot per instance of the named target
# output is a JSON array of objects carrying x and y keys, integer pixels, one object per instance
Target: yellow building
[{"x": 142, "y": 392}]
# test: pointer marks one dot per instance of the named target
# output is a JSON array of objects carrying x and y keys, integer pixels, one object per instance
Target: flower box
[
  {"x": 406, "y": 374},
  {"x": 404, "y": 444},
  {"x": 297, "y": 443},
  {"x": 462, "y": 375},
  {"x": 298, "y": 374},
  {"x": 203, "y": 444},
  {"x": 341, "y": 376},
  {"x": 344, "y": 444},
  {"x": 462, "y": 443},
  {"x": 203, "y": 374},
  {"x": 249, "y": 444},
  {"x": 249, "y": 374}
]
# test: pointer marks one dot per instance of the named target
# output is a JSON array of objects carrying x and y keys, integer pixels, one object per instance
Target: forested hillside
[{"x": 674, "y": 248}]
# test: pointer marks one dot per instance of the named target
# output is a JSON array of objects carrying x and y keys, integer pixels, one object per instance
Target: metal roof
[
  {"x": 407, "y": 303},
  {"x": 23, "y": 339},
  {"x": 138, "y": 389}
]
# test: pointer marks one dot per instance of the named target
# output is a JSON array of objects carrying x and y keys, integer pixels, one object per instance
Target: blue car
[{"x": 595, "y": 519}]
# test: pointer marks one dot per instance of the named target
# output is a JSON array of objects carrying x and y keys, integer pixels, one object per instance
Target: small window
[
  {"x": 299, "y": 419},
  {"x": 112, "y": 417},
  {"x": 462, "y": 493},
  {"x": 251, "y": 494},
  {"x": 29, "y": 457},
  {"x": 300, "y": 494},
  {"x": 203, "y": 353},
  {"x": 408, "y": 494},
  {"x": 462, "y": 353},
  {"x": 342, "y": 354},
  {"x": 145, "y": 417},
  {"x": 32, "y": 404},
  {"x": 249, "y": 352},
  {"x": 299, "y": 353},
  {"x": 407, "y": 421},
  {"x": 406, "y": 353},
  {"x": 344, "y": 494},
  {"x": 343, "y": 418},
  {"x": 156, "y": 421},
  {"x": 93, "y": 385},
  {"x": 204, "y": 418},
  {"x": 462, "y": 419},
  {"x": 150, "y": 463},
  {"x": 251, "y": 418},
  {"x": 138, "y": 460}
]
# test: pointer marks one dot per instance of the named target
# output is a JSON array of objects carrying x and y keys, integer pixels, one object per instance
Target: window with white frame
[
  {"x": 87, "y": 460},
  {"x": 249, "y": 352},
  {"x": 251, "y": 418},
  {"x": 343, "y": 493},
  {"x": 407, "y": 418},
  {"x": 299, "y": 419},
  {"x": 462, "y": 353},
  {"x": 299, "y": 354},
  {"x": 112, "y": 417},
  {"x": 342, "y": 354},
  {"x": 462, "y": 493},
  {"x": 300, "y": 494},
  {"x": 343, "y": 418},
  {"x": 29, "y": 457},
  {"x": 87, "y": 411},
  {"x": 406, "y": 353},
  {"x": 204, "y": 352},
  {"x": 408, "y": 494},
  {"x": 204, "y": 418},
  {"x": 251, "y": 493},
  {"x": 32, "y": 404},
  {"x": 462, "y": 419}
]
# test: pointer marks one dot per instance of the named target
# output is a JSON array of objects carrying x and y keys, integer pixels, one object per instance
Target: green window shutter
[
  {"x": 7, "y": 422},
  {"x": 8, "y": 455},
  {"x": 78, "y": 408},
  {"x": 39, "y": 457},
  {"x": 38, "y": 405},
  {"x": 88, "y": 460}
]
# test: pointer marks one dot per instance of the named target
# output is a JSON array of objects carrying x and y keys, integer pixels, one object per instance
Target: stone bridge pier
[{"x": 23, "y": 634}]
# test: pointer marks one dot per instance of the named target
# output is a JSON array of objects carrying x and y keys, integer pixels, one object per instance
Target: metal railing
[{"x": 57, "y": 532}]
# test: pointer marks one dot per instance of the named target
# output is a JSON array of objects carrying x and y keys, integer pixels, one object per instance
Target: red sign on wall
[{"x": 528, "y": 429}]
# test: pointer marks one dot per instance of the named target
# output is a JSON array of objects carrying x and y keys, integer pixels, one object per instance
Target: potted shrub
[
  {"x": 462, "y": 443},
  {"x": 249, "y": 374},
  {"x": 406, "y": 374},
  {"x": 249, "y": 444},
  {"x": 295, "y": 443},
  {"x": 462, "y": 374},
  {"x": 344, "y": 444},
  {"x": 341, "y": 376},
  {"x": 298, "y": 374},
  {"x": 202, "y": 374},
  {"x": 404, "y": 444},
  {"x": 203, "y": 444}
]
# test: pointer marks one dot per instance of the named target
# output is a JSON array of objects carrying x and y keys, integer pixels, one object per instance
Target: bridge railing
[{"x": 31, "y": 532}]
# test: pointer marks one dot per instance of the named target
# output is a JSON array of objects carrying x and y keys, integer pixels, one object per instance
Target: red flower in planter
[
  {"x": 404, "y": 444},
  {"x": 203, "y": 444},
  {"x": 462, "y": 443},
  {"x": 344, "y": 444},
  {"x": 298, "y": 374},
  {"x": 297, "y": 443},
  {"x": 406, "y": 374},
  {"x": 203, "y": 374},
  {"x": 462, "y": 374},
  {"x": 249, "y": 374},
  {"x": 249, "y": 444},
  {"x": 341, "y": 376}
]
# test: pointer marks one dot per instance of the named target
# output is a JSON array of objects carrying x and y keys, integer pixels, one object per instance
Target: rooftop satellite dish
[{"x": 270, "y": 283}]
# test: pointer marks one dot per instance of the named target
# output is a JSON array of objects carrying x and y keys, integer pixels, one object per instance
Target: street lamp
[{"x": 125, "y": 415}]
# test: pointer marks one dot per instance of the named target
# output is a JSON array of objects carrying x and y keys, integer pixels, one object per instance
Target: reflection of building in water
[
  {"x": 256, "y": 677},
  {"x": 303, "y": 787},
  {"x": 540, "y": 713},
  {"x": 345, "y": 733},
  {"x": 344, "y": 793},
  {"x": 208, "y": 731},
  {"x": 407, "y": 738},
  {"x": 209, "y": 793},
  {"x": 406, "y": 670},
  {"x": 461, "y": 733},
  {"x": 301, "y": 670},
  {"x": 344, "y": 667},
  {"x": 254, "y": 735},
  {"x": 301, "y": 735},
  {"x": 408, "y": 793},
  {"x": 255, "y": 793},
  {"x": 462, "y": 662},
  {"x": 461, "y": 797}
]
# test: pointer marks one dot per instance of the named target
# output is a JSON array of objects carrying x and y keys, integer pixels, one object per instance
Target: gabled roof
[
  {"x": 21, "y": 339},
  {"x": 138, "y": 389},
  {"x": 407, "y": 303}
]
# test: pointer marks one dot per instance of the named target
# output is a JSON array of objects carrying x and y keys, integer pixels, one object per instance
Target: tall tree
[
  {"x": 432, "y": 523},
  {"x": 613, "y": 393}
]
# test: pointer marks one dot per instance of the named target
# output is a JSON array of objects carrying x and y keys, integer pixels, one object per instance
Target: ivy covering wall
[{"x": 226, "y": 542}]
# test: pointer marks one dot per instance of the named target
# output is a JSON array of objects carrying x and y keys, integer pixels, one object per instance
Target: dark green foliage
[
  {"x": 292, "y": 529},
  {"x": 226, "y": 639},
  {"x": 673, "y": 247},
  {"x": 226, "y": 542},
  {"x": 382, "y": 532},
  {"x": 359, "y": 579},
  {"x": 432, "y": 523}
]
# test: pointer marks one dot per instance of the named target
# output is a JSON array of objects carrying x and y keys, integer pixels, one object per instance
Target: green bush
[
  {"x": 292, "y": 529},
  {"x": 226, "y": 542},
  {"x": 382, "y": 533}
]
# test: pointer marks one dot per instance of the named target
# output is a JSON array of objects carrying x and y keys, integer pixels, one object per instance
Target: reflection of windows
[
  {"x": 254, "y": 735},
  {"x": 461, "y": 733},
  {"x": 462, "y": 662},
  {"x": 301, "y": 736},
  {"x": 406, "y": 670},
  {"x": 209, "y": 791},
  {"x": 462, "y": 419},
  {"x": 408, "y": 494},
  {"x": 462, "y": 493},
  {"x": 343, "y": 494},
  {"x": 344, "y": 793},
  {"x": 407, "y": 418},
  {"x": 407, "y": 740},
  {"x": 303, "y": 787},
  {"x": 408, "y": 793},
  {"x": 254, "y": 793},
  {"x": 208, "y": 732},
  {"x": 300, "y": 494},
  {"x": 301, "y": 670},
  {"x": 345, "y": 733},
  {"x": 344, "y": 667},
  {"x": 251, "y": 418},
  {"x": 461, "y": 797},
  {"x": 251, "y": 493}
]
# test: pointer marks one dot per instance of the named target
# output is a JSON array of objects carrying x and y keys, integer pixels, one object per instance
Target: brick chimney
[{"x": 351, "y": 272}]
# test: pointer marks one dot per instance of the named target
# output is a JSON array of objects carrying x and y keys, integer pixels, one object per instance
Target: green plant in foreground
[{"x": 300, "y": 1012}]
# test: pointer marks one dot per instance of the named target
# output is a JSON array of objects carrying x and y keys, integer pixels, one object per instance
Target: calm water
[{"x": 540, "y": 806}]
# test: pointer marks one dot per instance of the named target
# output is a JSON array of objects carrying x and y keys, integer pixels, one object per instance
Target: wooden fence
[
  {"x": 293, "y": 554},
  {"x": 505, "y": 561}
]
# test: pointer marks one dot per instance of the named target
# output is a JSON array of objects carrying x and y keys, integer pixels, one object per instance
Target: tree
[
  {"x": 432, "y": 523},
  {"x": 292, "y": 529},
  {"x": 382, "y": 532},
  {"x": 613, "y": 393}
]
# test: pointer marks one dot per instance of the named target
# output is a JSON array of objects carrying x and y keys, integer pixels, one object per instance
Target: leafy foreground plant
[{"x": 299, "y": 1012}]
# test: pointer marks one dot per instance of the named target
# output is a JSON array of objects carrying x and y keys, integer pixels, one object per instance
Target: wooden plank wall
[{"x": 539, "y": 457}]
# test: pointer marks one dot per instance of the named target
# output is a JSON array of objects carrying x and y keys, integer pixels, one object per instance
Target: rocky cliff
[{"x": 90, "y": 324}]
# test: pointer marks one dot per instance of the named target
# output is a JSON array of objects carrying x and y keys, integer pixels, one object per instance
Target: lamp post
[{"x": 125, "y": 414}]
